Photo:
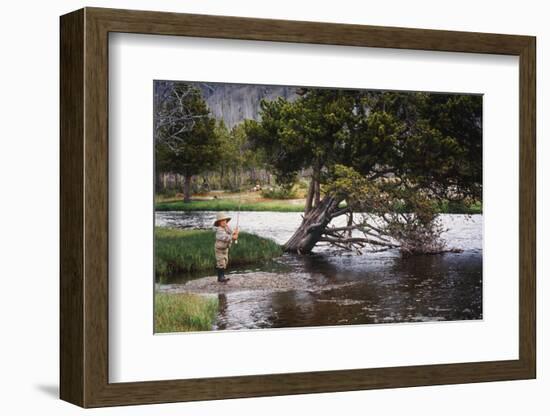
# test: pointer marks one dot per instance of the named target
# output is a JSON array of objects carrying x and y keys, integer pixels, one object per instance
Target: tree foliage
[
  {"x": 408, "y": 149},
  {"x": 185, "y": 137},
  {"x": 385, "y": 214},
  {"x": 237, "y": 155}
]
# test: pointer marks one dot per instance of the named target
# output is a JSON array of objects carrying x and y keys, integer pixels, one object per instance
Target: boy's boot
[
  {"x": 223, "y": 278},
  {"x": 220, "y": 274}
]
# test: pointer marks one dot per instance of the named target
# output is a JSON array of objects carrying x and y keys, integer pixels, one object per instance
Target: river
[{"x": 368, "y": 288}]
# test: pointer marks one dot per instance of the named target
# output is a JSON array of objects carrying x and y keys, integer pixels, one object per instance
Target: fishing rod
[
  {"x": 238, "y": 217},
  {"x": 240, "y": 190}
]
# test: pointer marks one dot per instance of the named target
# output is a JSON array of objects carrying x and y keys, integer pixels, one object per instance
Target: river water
[{"x": 368, "y": 288}]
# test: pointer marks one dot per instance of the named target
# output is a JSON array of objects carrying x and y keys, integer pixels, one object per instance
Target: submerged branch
[{"x": 356, "y": 240}]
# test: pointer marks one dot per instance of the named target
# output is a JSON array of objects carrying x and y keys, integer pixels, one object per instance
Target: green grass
[
  {"x": 460, "y": 207},
  {"x": 230, "y": 205},
  {"x": 185, "y": 251},
  {"x": 448, "y": 207},
  {"x": 286, "y": 206},
  {"x": 184, "y": 312}
]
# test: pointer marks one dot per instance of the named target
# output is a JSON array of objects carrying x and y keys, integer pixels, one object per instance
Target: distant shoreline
[{"x": 275, "y": 205}]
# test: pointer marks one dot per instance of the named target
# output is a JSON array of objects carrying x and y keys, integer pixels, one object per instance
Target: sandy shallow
[{"x": 258, "y": 281}]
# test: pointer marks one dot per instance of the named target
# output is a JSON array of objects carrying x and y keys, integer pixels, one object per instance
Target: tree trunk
[
  {"x": 317, "y": 192},
  {"x": 313, "y": 225},
  {"x": 236, "y": 180},
  {"x": 187, "y": 188},
  {"x": 309, "y": 198},
  {"x": 158, "y": 184}
]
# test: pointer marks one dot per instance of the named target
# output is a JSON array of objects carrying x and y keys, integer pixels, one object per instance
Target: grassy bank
[
  {"x": 231, "y": 205},
  {"x": 460, "y": 208},
  {"x": 184, "y": 251},
  {"x": 184, "y": 312},
  {"x": 276, "y": 205}
]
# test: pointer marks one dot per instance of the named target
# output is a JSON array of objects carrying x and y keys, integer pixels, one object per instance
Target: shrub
[{"x": 279, "y": 192}]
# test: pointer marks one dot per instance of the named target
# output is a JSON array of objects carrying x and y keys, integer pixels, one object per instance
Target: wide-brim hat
[{"x": 221, "y": 216}]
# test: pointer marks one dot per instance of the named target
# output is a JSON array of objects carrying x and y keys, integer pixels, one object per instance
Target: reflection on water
[{"x": 362, "y": 289}]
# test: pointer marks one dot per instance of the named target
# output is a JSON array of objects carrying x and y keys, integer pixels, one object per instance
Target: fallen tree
[
  {"x": 379, "y": 160},
  {"x": 375, "y": 217}
]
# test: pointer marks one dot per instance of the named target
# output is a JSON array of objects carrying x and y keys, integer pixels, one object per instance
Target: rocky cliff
[{"x": 236, "y": 102}]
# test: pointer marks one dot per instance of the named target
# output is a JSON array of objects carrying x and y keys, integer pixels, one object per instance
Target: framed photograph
[{"x": 254, "y": 207}]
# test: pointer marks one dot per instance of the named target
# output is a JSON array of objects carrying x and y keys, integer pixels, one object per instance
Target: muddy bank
[{"x": 257, "y": 281}]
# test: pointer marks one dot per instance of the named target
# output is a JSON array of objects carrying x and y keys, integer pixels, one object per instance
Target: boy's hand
[{"x": 236, "y": 234}]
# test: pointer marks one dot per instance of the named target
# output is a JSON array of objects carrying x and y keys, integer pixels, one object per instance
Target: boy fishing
[{"x": 224, "y": 237}]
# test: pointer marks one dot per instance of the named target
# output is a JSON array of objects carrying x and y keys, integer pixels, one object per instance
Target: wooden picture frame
[{"x": 84, "y": 207}]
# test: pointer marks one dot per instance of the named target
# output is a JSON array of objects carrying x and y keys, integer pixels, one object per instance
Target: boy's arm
[{"x": 222, "y": 235}]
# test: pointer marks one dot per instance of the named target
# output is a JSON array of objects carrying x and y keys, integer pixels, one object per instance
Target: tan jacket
[{"x": 223, "y": 238}]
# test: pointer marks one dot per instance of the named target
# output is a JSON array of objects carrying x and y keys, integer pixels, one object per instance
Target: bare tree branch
[
  {"x": 172, "y": 117},
  {"x": 356, "y": 240},
  {"x": 340, "y": 212}
]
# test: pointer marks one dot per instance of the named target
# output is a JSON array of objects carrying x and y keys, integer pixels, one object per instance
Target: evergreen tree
[
  {"x": 185, "y": 138},
  {"x": 382, "y": 152}
]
